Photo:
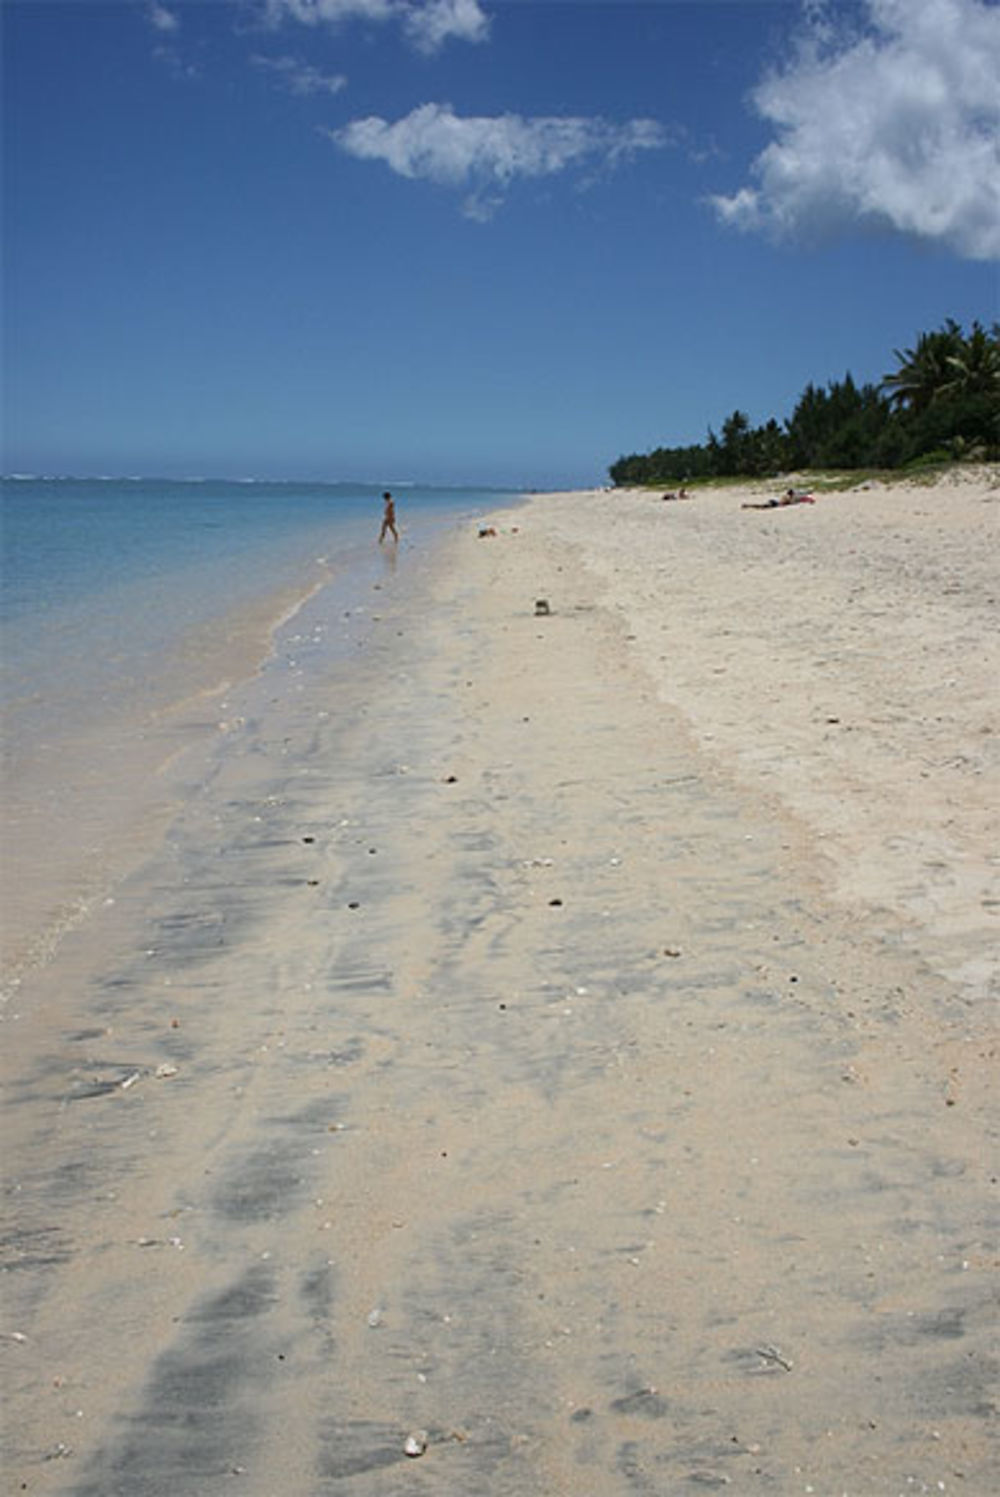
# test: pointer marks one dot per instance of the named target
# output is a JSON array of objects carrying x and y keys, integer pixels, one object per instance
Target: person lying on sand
[{"x": 791, "y": 497}]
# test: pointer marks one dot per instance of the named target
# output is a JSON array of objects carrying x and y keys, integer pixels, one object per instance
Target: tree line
[{"x": 942, "y": 403}]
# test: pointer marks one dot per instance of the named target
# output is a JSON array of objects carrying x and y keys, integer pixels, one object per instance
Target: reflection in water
[{"x": 390, "y": 554}]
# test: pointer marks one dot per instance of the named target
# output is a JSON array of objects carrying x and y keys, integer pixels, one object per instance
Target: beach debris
[
  {"x": 130, "y": 1080},
  {"x": 17, "y": 1336},
  {"x": 542, "y": 609},
  {"x": 166, "y": 1070},
  {"x": 487, "y": 532},
  {"x": 671, "y": 951},
  {"x": 645, "y": 1401},
  {"x": 555, "y": 902},
  {"x": 375, "y": 1317},
  {"x": 416, "y": 1443},
  {"x": 773, "y": 1355}
]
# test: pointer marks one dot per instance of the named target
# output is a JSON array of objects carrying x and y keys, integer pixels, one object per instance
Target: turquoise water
[
  {"x": 105, "y": 581},
  {"x": 66, "y": 539},
  {"x": 129, "y": 611}
]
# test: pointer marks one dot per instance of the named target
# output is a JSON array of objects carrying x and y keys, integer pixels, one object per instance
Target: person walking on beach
[{"x": 388, "y": 519}]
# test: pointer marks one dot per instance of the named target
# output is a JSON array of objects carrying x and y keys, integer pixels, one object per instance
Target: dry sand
[{"x": 573, "y": 1035}]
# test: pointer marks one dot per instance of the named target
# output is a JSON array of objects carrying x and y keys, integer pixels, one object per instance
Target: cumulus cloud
[
  {"x": 301, "y": 77},
  {"x": 427, "y": 23},
  {"x": 488, "y": 153},
  {"x": 896, "y": 124}
]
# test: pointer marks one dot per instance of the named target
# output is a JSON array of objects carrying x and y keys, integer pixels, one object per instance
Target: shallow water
[{"x": 129, "y": 609}]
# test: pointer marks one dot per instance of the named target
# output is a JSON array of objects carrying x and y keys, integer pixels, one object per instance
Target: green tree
[
  {"x": 943, "y": 398},
  {"x": 735, "y": 444},
  {"x": 926, "y": 369},
  {"x": 807, "y": 427},
  {"x": 947, "y": 393},
  {"x": 975, "y": 369}
]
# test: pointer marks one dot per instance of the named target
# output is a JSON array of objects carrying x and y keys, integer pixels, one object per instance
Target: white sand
[
  {"x": 842, "y": 660},
  {"x": 576, "y": 1043}
]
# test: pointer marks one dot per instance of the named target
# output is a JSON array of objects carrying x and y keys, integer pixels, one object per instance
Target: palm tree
[
  {"x": 925, "y": 371},
  {"x": 976, "y": 369}
]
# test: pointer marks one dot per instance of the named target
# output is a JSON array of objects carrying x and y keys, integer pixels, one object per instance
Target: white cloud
[
  {"x": 301, "y": 77},
  {"x": 427, "y": 23},
  {"x": 894, "y": 125},
  {"x": 435, "y": 22},
  {"x": 488, "y": 153},
  {"x": 166, "y": 23},
  {"x": 328, "y": 12},
  {"x": 162, "y": 19}
]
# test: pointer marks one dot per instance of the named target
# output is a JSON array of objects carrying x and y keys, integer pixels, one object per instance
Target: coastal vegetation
[{"x": 942, "y": 403}]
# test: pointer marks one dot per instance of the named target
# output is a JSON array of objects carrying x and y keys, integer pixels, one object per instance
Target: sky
[{"x": 496, "y": 242}]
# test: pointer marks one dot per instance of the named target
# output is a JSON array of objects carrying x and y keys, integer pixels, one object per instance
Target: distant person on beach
[
  {"x": 791, "y": 497},
  {"x": 388, "y": 519}
]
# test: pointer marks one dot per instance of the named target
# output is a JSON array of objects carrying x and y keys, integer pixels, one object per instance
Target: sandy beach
[{"x": 553, "y": 1052}]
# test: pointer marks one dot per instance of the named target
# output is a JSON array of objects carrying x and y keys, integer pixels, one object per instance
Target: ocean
[{"x": 129, "y": 611}]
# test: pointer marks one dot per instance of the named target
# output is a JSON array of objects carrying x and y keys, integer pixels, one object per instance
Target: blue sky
[{"x": 459, "y": 241}]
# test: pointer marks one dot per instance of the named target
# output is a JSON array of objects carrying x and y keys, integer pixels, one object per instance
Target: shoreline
[
  {"x": 86, "y": 809},
  {"x": 87, "y": 805},
  {"x": 487, "y": 1052}
]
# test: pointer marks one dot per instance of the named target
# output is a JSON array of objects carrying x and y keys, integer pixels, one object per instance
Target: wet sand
[{"x": 500, "y": 1047}]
